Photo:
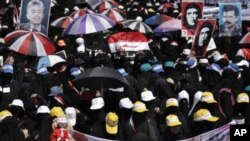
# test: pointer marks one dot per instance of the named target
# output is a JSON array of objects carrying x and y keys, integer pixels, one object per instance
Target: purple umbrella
[{"x": 89, "y": 23}]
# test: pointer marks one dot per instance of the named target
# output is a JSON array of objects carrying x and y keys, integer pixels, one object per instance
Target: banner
[
  {"x": 191, "y": 12},
  {"x": 230, "y": 19},
  {"x": 203, "y": 35},
  {"x": 78, "y": 136},
  {"x": 127, "y": 41},
  {"x": 219, "y": 134},
  {"x": 35, "y": 15}
]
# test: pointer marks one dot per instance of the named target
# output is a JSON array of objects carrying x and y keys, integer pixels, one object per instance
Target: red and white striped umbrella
[
  {"x": 29, "y": 43},
  {"x": 81, "y": 12},
  {"x": 115, "y": 14},
  {"x": 105, "y": 4},
  {"x": 245, "y": 39},
  {"x": 62, "y": 22},
  {"x": 165, "y": 7}
]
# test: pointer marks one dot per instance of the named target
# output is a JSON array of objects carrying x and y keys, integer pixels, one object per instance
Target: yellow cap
[
  {"x": 56, "y": 111},
  {"x": 139, "y": 107},
  {"x": 112, "y": 123},
  {"x": 242, "y": 98},
  {"x": 172, "y": 120},
  {"x": 4, "y": 114},
  {"x": 204, "y": 114},
  {"x": 172, "y": 102},
  {"x": 208, "y": 97}
]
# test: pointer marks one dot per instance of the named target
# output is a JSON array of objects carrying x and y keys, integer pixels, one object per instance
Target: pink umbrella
[
  {"x": 245, "y": 39},
  {"x": 171, "y": 25}
]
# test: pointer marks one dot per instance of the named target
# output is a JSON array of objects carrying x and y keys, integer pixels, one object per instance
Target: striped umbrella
[
  {"x": 62, "y": 22},
  {"x": 115, "y": 14},
  {"x": 164, "y": 7},
  {"x": 105, "y": 4},
  {"x": 137, "y": 25},
  {"x": 89, "y": 23},
  {"x": 81, "y": 12},
  {"x": 157, "y": 19},
  {"x": 49, "y": 61},
  {"x": 245, "y": 39},
  {"x": 171, "y": 25},
  {"x": 29, "y": 43}
]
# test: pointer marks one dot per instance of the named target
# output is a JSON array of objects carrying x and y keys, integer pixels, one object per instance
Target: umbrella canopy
[
  {"x": 137, "y": 25},
  {"x": 164, "y": 7},
  {"x": 99, "y": 78},
  {"x": 157, "y": 19},
  {"x": 29, "y": 43},
  {"x": 48, "y": 61},
  {"x": 171, "y": 25},
  {"x": 62, "y": 22},
  {"x": 115, "y": 14},
  {"x": 245, "y": 39},
  {"x": 81, "y": 12},
  {"x": 89, "y": 23},
  {"x": 105, "y": 4}
]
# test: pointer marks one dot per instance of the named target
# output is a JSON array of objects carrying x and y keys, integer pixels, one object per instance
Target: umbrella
[
  {"x": 115, "y": 14},
  {"x": 99, "y": 78},
  {"x": 29, "y": 43},
  {"x": 164, "y": 7},
  {"x": 89, "y": 23},
  {"x": 137, "y": 25},
  {"x": 105, "y": 4},
  {"x": 47, "y": 61},
  {"x": 171, "y": 25},
  {"x": 245, "y": 39},
  {"x": 81, "y": 12},
  {"x": 62, "y": 22},
  {"x": 157, "y": 19}
]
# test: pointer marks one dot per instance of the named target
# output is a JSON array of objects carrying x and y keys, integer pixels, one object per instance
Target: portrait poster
[
  {"x": 191, "y": 12},
  {"x": 34, "y": 15},
  {"x": 203, "y": 35},
  {"x": 230, "y": 19}
]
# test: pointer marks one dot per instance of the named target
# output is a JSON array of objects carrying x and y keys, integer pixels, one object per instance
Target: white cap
[
  {"x": 147, "y": 96},
  {"x": 197, "y": 98},
  {"x": 97, "y": 103},
  {"x": 186, "y": 51},
  {"x": 71, "y": 114},
  {"x": 126, "y": 103},
  {"x": 138, "y": 18},
  {"x": 183, "y": 95},
  {"x": 17, "y": 102},
  {"x": 79, "y": 40},
  {"x": 81, "y": 49},
  {"x": 43, "y": 109},
  {"x": 76, "y": 8}
]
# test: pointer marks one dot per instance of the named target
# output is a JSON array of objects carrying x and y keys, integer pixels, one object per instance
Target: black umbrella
[{"x": 100, "y": 78}]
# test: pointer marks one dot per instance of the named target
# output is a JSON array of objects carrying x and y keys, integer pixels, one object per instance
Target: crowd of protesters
[{"x": 172, "y": 95}]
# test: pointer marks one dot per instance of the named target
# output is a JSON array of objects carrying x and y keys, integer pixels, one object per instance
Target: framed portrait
[
  {"x": 191, "y": 12},
  {"x": 230, "y": 19},
  {"x": 34, "y": 15},
  {"x": 203, "y": 35}
]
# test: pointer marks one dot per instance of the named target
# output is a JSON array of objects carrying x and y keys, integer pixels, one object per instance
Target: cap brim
[
  {"x": 96, "y": 107},
  {"x": 171, "y": 105},
  {"x": 211, "y": 101},
  {"x": 213, "y": 119},
  {"x": 176, "y": 123},
  {"x": 148, "y": 99},
  {"x": 141, "y": 110},
  {"x": 111, "y": 130}
]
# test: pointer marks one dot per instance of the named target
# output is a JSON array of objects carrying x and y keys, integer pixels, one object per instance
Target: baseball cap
[
  {"x": 145, "y": 67},
  {"x": 157, "y": 68},
  {"x": 43, "y": 109},
  {"x": 147, "y": 96},
  {"x": 97, "y": 103},
  {"x": 172, "y": 120},
  {"x": 125, "y": 103},
  {"x": 61, "y": 43},
  {"x": 56, "y": 111},
  {"x": 75, "y": 71},
  {"x": 112, "y": 123},
  {"x": 71, "y": 114},
  {"x": 7, "y": 68},
  {"x": 208, "y": 97},
  {"x": 183, "y": 95},
  {"x": 4, "y": 114},
  {"x": 242, "y": 98},
  {"x": 123, "y": 72},
  {"x": 18, "y": 103},
  {"x": 172, "y": 102},
  {"x": 186, "y": 51},
  {"x": 55, "y": 90},
  {"x": 169, "y": 64},
  {"x": 139, "y": 107},
  {"x": 204, "y": 115}
]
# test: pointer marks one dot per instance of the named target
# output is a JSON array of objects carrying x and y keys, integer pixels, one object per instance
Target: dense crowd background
[{"x": 171, "y": 94}]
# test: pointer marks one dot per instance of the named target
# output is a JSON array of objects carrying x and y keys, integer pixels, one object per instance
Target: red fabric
[{"x": 59, "y": 134}]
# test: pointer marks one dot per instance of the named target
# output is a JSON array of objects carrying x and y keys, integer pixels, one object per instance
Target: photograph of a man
[
  {"x": 203, "y": 36},
  {"x": 192, "y": 11},
  {"x": 230, "y": 19},
  {"x": 34, "y": 16}
]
